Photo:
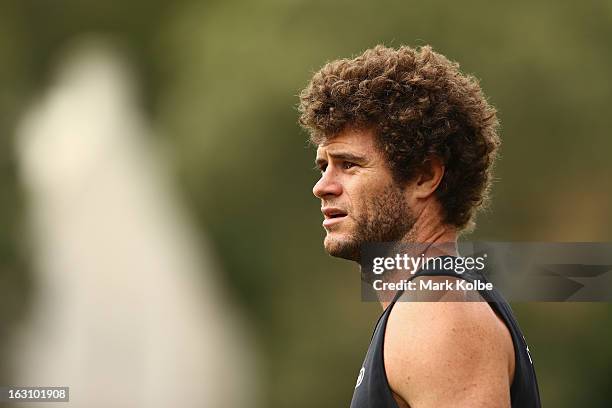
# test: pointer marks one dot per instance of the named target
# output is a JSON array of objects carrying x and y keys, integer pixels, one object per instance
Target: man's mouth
[{"x": 332, "y": 215}]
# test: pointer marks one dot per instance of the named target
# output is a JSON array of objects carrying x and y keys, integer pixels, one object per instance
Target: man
[{"x": 405, "y": 145}]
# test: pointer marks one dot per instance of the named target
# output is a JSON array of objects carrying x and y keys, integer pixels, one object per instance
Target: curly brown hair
[{"x": 420, "y": 105}]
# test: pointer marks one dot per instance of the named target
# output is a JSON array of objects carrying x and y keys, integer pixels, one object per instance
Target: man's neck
[{"x": 432, "y": 237}]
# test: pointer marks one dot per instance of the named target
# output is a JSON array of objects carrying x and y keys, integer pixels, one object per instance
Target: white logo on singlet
[
  {"x": 528, "y": 353},
  {"x": 360, "y": 377}
]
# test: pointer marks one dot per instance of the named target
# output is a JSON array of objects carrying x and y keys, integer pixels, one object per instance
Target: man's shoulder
[
  {"x": 448, "y": 320},
  {"x": 446, "y": 342}
]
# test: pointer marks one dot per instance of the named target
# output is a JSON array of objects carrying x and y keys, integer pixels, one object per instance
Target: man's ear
[{"x": 429, "y": 177}]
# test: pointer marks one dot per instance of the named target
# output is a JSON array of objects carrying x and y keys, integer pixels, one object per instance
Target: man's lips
[{"x": 333, "y": 215}]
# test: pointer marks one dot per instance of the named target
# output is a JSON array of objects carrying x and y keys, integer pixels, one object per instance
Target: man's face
[{"x": 359, "y": 199}]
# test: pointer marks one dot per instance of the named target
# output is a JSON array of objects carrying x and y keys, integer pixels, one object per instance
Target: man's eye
[{"x": 348, "y": 165}]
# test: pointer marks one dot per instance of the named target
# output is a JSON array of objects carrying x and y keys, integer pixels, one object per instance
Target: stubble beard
[{"x": 386, "y": 218}]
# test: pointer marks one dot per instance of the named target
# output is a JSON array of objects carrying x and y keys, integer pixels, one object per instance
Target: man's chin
[{"x": 342, "y": 247}]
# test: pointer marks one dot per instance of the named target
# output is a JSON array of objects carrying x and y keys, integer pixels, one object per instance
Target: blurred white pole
[{"x": 127, "y": 310}]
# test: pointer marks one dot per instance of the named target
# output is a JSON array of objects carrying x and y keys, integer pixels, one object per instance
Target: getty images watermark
[
  {"x": 411, "y": 265},
  {"x": 535, "y": 271}
]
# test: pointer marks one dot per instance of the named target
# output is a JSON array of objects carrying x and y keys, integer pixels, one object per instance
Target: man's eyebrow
[{"x": 341, "y": 156}]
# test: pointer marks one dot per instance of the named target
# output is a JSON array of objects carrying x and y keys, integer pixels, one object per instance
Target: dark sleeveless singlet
[{"x": 372, "y": 389}]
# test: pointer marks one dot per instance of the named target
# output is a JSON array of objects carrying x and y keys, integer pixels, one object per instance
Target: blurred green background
[{"x": 219, "y": 81}]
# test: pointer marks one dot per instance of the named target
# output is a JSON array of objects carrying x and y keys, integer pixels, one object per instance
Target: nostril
[{"x": 320, "y": 189}]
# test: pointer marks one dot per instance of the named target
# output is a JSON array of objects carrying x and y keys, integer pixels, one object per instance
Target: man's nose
[{"x": 327, "y": 186}]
